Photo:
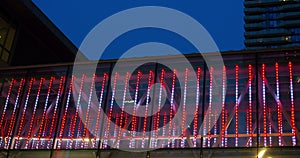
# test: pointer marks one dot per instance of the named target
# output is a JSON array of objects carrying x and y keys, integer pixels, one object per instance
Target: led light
[
  {"x": 236, "y": 105},
  {"x": 171, "y": 107},
  {"x": 197, "y": 107},
  {"x": 65, "y": 113},
  {"x": 210, "y": 104},
  {"x": 292, "y": 105},
  {"x": 250, "y": 103},
  {"x": 279, "y": 112},
  {"x": 122, "y": 108},
  {"x": 150, "y": 82},
  {"x": 76, "y": 112},
  {"x": 264, "y": 104},
  {"x": 23, "y": 112},
  {"x": 86, "y": 123},
  {"x": 270, "y": 128},
  {"x": 99, "y": 109},
  {"x": 183, "y": 111},
  {"x": 9, "y": 133},
  {"x": 106, "y": 134},
  {"x": 223, "y": 106},
  {"x": 5, "y": 106},
  {"x": 44, "y": 111}
]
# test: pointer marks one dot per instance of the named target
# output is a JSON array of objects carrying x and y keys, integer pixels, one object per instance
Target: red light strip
[
  {"x": 264, "y": 104},
  {"x": 24, "y": 111},
  {"x": 195, "y": 128},
  {"x": 183, "y": 110},
  {"x": 106, "y": 135},
  {"x": 279, "y": 111},
  {"x": 116, "y": 125},
  {"x": 86, "y": 122},
  {"x": 171, "y": 107},
  {"x": 156, "y": 117},
  {"x": 236, "y": 106},
  {"x": 250, "y": 103},
  {"x": 165, "y": 124},
  {"x": 65, "y": 113},
  {"x": 122, "y": 108},
  {"x": 150, "y": 82},
  {"x": 292, "y": 105},
  {"x": 134, "y": 118},
  {"x": 9, "y": 133},
  {"x": 5, "y": 107},
  {"x": 79, "y": 134},
  {"x": 223, "y": 106},
  {"x": 99, "y": 109},
  {"x": 59, "y": 92},
  {"x": 247, "y": 124},
  {"x": 77, "y": 111},
  {"x": 34, "y": 112},
  {"x": 44, "y": 112}
]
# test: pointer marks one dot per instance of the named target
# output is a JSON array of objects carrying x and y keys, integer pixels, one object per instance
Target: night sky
[{"x": 222, "y": 19}]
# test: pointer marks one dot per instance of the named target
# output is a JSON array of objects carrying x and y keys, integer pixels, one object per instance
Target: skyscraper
[{"x": 272, "y": 23}]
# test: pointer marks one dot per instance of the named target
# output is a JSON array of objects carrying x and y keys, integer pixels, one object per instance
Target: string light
[
  {"x": 197, "y": 107},
  {"x": 264, "y": 104},
  {"x": 223, "y": 105},
  {"x": 279, "y": 112},
  {"x": 171, "y": 106},
  {"x": 236, "y": 105},
  {"x": 210, "y": 104},
  {"x": 183, "y": 110},
  {"x": 250, "y": 103},
  {"x": 24, "y": 111},
  {"x": 292, "y": 105}
]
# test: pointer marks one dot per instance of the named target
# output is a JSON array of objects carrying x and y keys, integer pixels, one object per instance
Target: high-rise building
[{"x": 272, "y": 23}]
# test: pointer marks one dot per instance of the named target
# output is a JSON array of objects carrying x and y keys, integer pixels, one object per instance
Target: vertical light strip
[
  {"x": 122, "y": 108},
  {"x": 65, "y": 114},
  {"x": 279, "y": 112},
  {"x": 292, "y": 105},
  {"x": 223, "y": 106},
  {"x": 5, "y": 107},
  {"x": 210, "y": 104},
  {"x": 171, "y": 106},
  {"x": 99, "y": 109},
  {"x": 44, "y": 112},
  {"x": 86, "y": 123},
  {"x": 270, "y": 128},
  {"x": 164, "y": 127},
  {"x": 226, "y": 120},
  {"x": 134, "y": 118},
  {"x": 147, "y": 106},
  {"x": 236, "y": 106},
  {"x": 106, "y": 135},
  {"x": 195, "y": 129},
  {"x": 183, "y": 108},
  {"x": 250, "y": 103},
  {"x": 77, "y": 111},
  {"x": 116, "y": 127},
  {"x": 24, "y": 112},
  {"x": 79, "y": 134},
  {"x": 156, "y": 125},
  {"x": 59, "y": 92},
  {"x": 247, "y": 125},
  {"x": 34, "y": 112},
  {"x": 13, "y": 119},
  {"x": 264, "y": 104}
]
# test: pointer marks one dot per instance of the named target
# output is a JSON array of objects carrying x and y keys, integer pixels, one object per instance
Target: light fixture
[{"x": 261, "y": 153}]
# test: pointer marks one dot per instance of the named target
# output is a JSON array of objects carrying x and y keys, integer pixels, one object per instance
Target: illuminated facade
[{"x": 48, "y": 112}]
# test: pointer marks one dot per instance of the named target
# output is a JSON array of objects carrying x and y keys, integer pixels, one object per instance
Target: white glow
[{"x": 261, "y": 153}]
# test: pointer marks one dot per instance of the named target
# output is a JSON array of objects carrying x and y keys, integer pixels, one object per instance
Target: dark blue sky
[{"x": 222, "y": 19}]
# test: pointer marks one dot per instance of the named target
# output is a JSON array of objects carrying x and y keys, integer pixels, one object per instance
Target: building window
[{"x": 7, "y": 35}]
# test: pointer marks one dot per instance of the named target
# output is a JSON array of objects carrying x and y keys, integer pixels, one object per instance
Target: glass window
[{"x": 7, "y": 35}]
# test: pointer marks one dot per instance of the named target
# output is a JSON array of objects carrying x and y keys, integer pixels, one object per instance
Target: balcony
[
  {"x": 289, "y": 15},
  {"x": 253, "y": 3},
  {"x": 289, "y": 23},
  {"x": 267, "y": 33},
  {"x": 260, "y": 25},
  {"x": 289, "y": 7},
  {"x": 268, "y": 41},
  {"x": 254, "y": 18},
  {"x": 250, "y": 11}
]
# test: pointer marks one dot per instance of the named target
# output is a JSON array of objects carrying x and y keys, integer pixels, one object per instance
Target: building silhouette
[{"x": 272, "y": 23}]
